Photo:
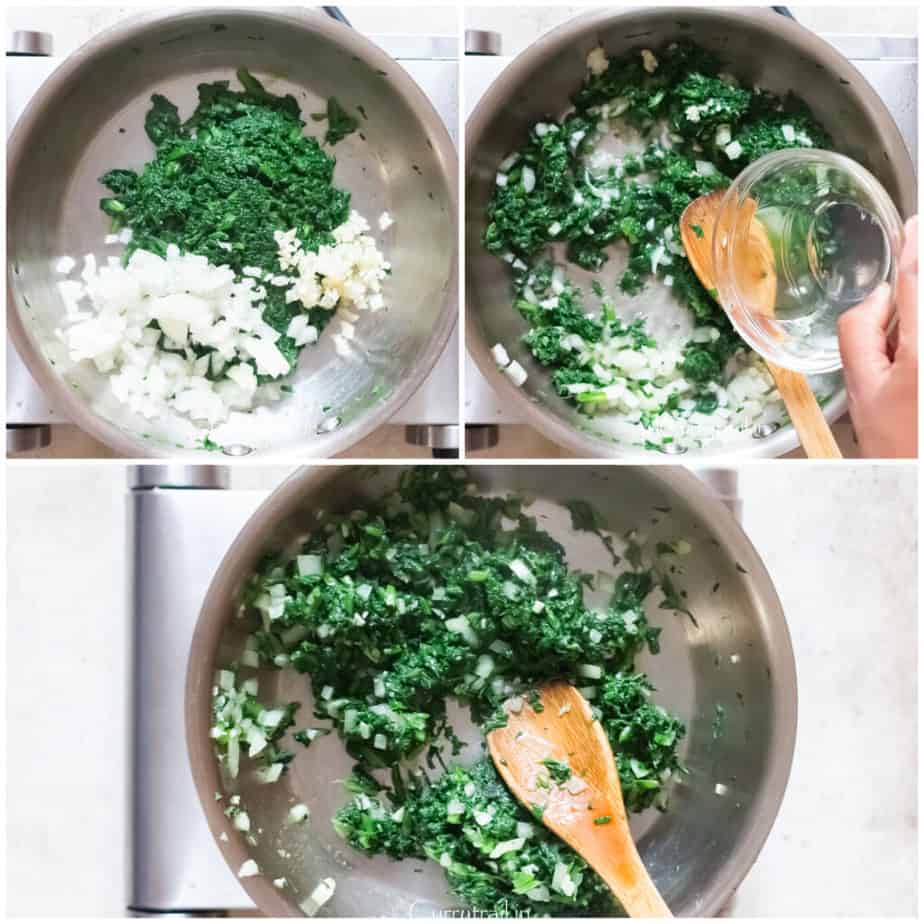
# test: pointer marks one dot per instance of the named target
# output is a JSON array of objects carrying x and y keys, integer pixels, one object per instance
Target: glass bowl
[{"x": 802, "y": 236}]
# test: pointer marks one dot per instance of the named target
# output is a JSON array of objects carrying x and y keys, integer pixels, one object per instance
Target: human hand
[{"x": 881, "y": 371}]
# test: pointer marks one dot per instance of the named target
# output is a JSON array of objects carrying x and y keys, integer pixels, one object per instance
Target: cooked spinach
[
  {"x": 222, "y": 182},
  {"x": 434, "y": 594},
  {"x": 687, "y": 112},
  {"x": 339, "y": 122},
  {"x": 558, "y": 771}
]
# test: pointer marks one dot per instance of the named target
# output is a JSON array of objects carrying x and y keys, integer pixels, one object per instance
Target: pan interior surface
[
  {"x": 760, "y": 51},
  {"x": 395, "y": 162},
  {"x": 730, "y": 679}
]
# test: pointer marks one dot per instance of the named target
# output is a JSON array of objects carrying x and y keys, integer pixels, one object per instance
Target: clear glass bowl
[{"x": 802, "y": 236}]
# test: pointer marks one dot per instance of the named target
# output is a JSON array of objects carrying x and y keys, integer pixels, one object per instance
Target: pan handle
[{"x": 335, "y": 13}]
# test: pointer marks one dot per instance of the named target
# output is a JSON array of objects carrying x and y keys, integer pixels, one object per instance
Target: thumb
[
  {"x": 906, "y": 291},
  {"x": 863, "y": 342}
]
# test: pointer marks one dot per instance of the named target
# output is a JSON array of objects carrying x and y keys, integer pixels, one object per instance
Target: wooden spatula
[
  {"x": 586, "y": 811},
  {"x": 756, "y": 265}
]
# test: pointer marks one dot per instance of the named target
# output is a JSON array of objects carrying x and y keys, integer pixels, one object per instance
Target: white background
[{"x": 839, "y": 541}]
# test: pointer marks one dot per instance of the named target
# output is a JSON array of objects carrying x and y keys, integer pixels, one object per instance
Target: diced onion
[
  {"x": 322, "y": 894},
  {"x": 505, "y": 847},
  {"x": 500, "y": 647},
  {"x": 485, "y": 666},
  {"x": 269, "y": 774},
  {"x": 297, "y": 814},
  {"x": 459, "y": 514},
  {"x": 733, "y": 150},
  {"x": 455, "y": 809},
  {"x": 483, "y": 818},
  {"x": 562, "y": 881},
  {"x": 248, "y": 868},
  {"x": 460, "y": 626},
  {"x": 516, "y": 373},
  {"x": 309, "y": 565},
  {"x": 234, "y": 757},
  {"x": 270, "y": 718},
  {"x": 520, "y": 569},
  {"x": 500, "y": 354}
]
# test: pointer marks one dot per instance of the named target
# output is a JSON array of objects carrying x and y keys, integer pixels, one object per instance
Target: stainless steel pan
[
  {"x": 72, "y": 132},
  {"x": 761, "y": 48},
  {"x": 740, "y": 658}
]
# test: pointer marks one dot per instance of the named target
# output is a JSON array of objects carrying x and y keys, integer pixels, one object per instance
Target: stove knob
[
  {"x": 25, "y": 437},
  {"x": 442, "y": 439},
  {"x": 27, "y": 44},
  {"x": 482, "y": 42}
]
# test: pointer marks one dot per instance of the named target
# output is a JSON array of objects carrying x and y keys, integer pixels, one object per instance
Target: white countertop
[{"x": 844, "y": 565}]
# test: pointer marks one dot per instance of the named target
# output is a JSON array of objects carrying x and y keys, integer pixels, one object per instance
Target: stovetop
[
  {"x": 433, "y": 63},
  {"x": 889, "y": 63},
  {"x": 182, "y": 520},
  {"x": 177, "y": 536}
]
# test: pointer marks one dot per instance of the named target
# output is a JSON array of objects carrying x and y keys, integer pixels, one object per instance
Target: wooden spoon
[
  {"x": 755, "y": 265},
  {"x": 587, "y": 811}
]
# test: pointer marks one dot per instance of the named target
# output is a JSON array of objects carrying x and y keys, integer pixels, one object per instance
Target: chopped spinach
[
  {"x": 687, "y": 111},
  {"x": 339, "y": 122},
  {"x": 222, "y": 182},
  {"x": 428, "y": 595},
  {"x": 558, "y": 771}
]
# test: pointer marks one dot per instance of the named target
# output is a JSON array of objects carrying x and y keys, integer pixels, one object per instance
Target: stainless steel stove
[
  {"x": 889, "y": 63},
  {"x": 429, "y": 418},
  {"x": 182, "y": 520}
]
